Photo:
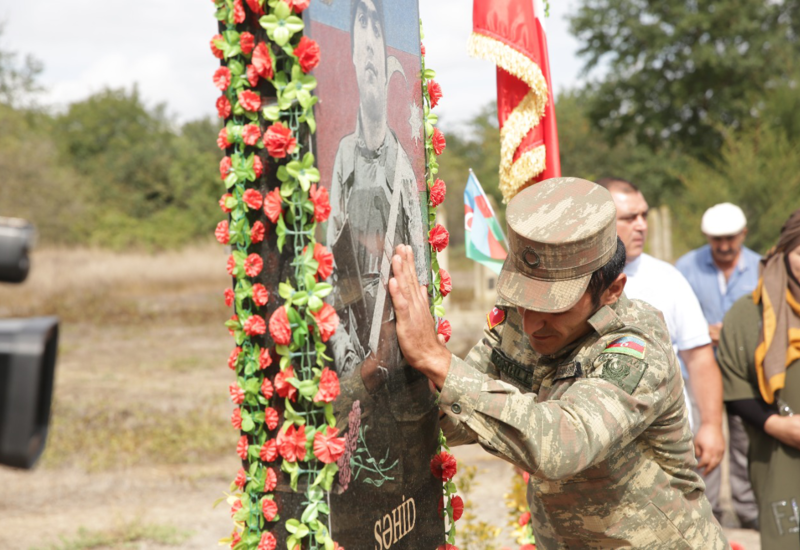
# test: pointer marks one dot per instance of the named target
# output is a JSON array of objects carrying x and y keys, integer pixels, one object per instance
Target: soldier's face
[
  {"x": 369, "y": 58},
  {"x": 550, "y": 332},
  {"x": 631, "y": 222}
]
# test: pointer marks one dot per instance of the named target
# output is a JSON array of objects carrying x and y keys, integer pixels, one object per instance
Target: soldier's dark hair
[
  {"x": 618, "y": 184},
  {"x": 603, "y": 277}
]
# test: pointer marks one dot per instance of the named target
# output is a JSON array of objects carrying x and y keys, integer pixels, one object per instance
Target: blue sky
[{"x": 162, "y": 47}]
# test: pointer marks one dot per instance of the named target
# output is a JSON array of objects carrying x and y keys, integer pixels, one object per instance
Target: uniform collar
[{"x": 603, "y": 321}]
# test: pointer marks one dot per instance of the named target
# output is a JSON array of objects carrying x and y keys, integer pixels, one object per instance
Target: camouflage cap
[{"x": 559, "y": 232}]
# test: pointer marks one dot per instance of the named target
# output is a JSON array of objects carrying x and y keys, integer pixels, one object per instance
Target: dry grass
[{"x": 122, "y": 535}]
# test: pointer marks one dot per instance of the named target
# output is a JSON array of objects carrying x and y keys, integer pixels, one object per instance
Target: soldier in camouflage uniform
[{"x": 572, "y": 382}]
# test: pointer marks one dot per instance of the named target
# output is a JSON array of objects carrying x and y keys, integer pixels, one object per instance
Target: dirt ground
[{"x": 140, "y": 444}]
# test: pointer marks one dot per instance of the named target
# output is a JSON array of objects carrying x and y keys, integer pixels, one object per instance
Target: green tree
[
  {"x": 676, "y": 72},
  {"x": 18, "y": 85}
]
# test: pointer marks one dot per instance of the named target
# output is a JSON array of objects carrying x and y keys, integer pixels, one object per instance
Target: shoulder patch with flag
[
  {"x": 495, "y": 317},
  {"x": 627, "y": 345}
]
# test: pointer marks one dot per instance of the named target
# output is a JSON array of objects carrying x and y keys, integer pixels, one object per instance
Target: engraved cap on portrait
[{"x": 559, "y": 232}]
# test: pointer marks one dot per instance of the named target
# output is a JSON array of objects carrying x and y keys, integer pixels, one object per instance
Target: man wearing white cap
[{"x": 720, "y": 273}]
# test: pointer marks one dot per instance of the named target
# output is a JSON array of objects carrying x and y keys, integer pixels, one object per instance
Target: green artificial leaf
[
  {"x": 236, "y": 67},
  {"x": 307, "y": 388},
  {"x": 230, "y": 181},
  {"x": 330, "y": 417},
  {"x": 438, "y": 311},
  {"x": 293, "y": 470},
  {"x": 428, "y": 74},
  {"x": 271, "y": 113},
  {"x": 315, "y": 303},
  {"x": 310, "y": 513},
  {"x": 291, "y": 542},
  {"x": 300, "y": 298},
  {"x": 280, "y": 231},
  {"x": 322, "y": 289},
  {"x": 247, "y": 422},
  {"x": 292, "y": 524}
]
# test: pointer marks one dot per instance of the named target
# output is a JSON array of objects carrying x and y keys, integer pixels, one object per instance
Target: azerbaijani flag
[{"x": 484, "y": 240}]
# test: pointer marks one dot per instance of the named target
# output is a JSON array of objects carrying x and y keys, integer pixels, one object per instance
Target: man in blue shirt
[{"x": 720, "y": 273}]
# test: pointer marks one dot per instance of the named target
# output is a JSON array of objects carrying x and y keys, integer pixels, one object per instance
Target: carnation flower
[
  {"x": 324, "y": 261},
  {"x": 445, "y": 283},
  {"x": 214, "y": 50},
  {"x": 269, "y": 509},
  {"x": 237, "y": 393},
  {"x": 264, "y": 359},
  {"x": 252, "y": 75},
  {"x": 251, "y": 101},
  {"x": 236, "y": 418},
  {"x": 292, "y": 443},
  {"x": 328, "y": 387},
  {"x": 435, "y": 91},
  {"x": 229, "y": 296},
  {"x": 273, "y": 205},
  {"x": 322, "y": 205},
  {"x": 241, "y": 477},
  {"x": 447, "y": 546},
  {"x": 241, "y": 447},
  {"x": 252, "y": 198},
  {"x": 222, "y": 139},
  {"x": 279, "y": 141},
  {"x": 270, "y": 480},
  {"x": 238, "y": 12},
  {"x": 222, "y": 200},
  {"x": 456, "y": 503},
  {"x": 438, "y": 192},
  {"x": 246, "y": 42},
  {"x": 524, "y": 519},
  {"x": 279, "y": 327},
  {"x": 266, "y": 388},
  {"x": 231, "y": 265},
  {"x": 444, "y": 466},
  {"x": 250, "y": 135},
  {"x": 221, "y": 232},
  {"x": 327, "y": 321},
  {"x": 223, "y": 107},
  {"x": 255, "y": 325},
  {"x": 307, "y": 52},
  {"x": 233, "y": 358},
  {"x": 271, "y": 417},
  {"x": 269, "y": 451},
  {"x": 225, "y": 167},
  {"x": 236, "y": 538},
  {"x": 258, "y": 167},
  {"x": 267, "y": 542},
  {"x": 253, "y": 265},
  {"x": 257, "y": 232},
  {"x": 445, "y": 330},
  {"x": 262, "y": 62},
  {"x": 260, "y": 294},
  {"x": 438, "y": 237},
  {"x": 222, "y": 78},
  {"x": 282, "y": 385},
  {"x": 439, "y": 143},
  {"x": 298, "y": 5},
  {"x": 327, "y": 447},
  {"x": 422, "y": 49},
  {"x": 255, "y": 7},
  {"x": 236, "y": 507}
]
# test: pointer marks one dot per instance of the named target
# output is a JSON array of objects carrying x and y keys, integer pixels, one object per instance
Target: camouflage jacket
[{"x": 601, "y": 427}]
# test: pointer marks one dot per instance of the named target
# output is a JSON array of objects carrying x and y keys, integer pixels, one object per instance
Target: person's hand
[
  {"x": 713, "y": 332},
  {"x": 785, "y": 429},
  {"x": 416, "y": 331},
  {"x": 709, "y": 447}
]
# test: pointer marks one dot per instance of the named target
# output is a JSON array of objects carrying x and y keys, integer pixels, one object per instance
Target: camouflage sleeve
[{"x": 560, "y": 438}]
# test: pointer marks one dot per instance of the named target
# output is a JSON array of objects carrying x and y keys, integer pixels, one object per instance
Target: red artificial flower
[
  {"x": 269, "y": 509},
  {"x": 268, "y": 542},
  {"x": 264, "y": 359},
  {"x": 225, "y": 167},
  {"x": 234, "y": 357},
  {"x": 269, "y": 451},
  {"x": 325, "y": 261},
  {"x": 255, "y": 7},
  {"x": 241, "y": 478},
  {"x": 445, "y": 283},
  {"x": 321, "y": 202},
  {"x": 271, "y": 417},
  {"x": 221, "y": 232},
  {"x": 231, "y": 265},
  {"x": 279, "y": 327},
  {"x": 253, "y": 265},
  {"x": 445, "y": 330},
  {"x": 237, "y": 393},
  {"x": 298, "y": 5},
  {"x": 251, "y": 101},
  {"x": 222, "y": 139},
  {"x": 234, "y": 317},
  {"x": 327, "y": 321},
  {"x": 241, "y": 447},
  {"x": 456, "y": 503},
  {"x": 273, "y": 205},
  {"x": 250, "y": 134},
  {"x": 524, "y": 519},
  {"x": 328, "y": 448},
  {"x": 525, "y": 477},
  {"x": 435, "y": 91},
  {"x": 229, "y": 296},
  {"x": 260, "y": 294},
  {"x": 328, "y": 387},
  {"x": 270, "y": 480},
  {"x": 214, "y": 50},
  {"x": 262, "y": 62},
  {"x": 439, "y": 143},
  {"x": 247, "y": 41},
  {"x": 443, "y": 466},
  {"x": 236, "y": 418},
  {"x": 252, "y": 75},
  {"x": 238, "y": 12},
  {"x": 223, "y": 107},
  {"x": 258, "y": 167},
  {"x": 447, "y": 546},
  {"x": 307, "y": 52},
  {"x": 255, "y": 325},
  {"x": 292, "y": 443},
  {"x": 252, "y": 198},
  {"x": 236, "y": 507},
  {"x": 222, "y": 78},
  {"x": 438, "y": 237},
  {"x": 422, "y": 49},
  {"x": 279, "y": 141},
  {"x": 257, "y": 232},
  {"x": 236, "y": 538},
  {"x": 222, "y": 200},
  {"x": 533, "y": 547},
  {"x": 438, "y": 192},
  {"x": 266, "y": 388},
  {"x": 282, "y": 385}
]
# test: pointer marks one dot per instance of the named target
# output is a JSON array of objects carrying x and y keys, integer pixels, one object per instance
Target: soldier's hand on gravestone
[{"x": 416, "y": 330}]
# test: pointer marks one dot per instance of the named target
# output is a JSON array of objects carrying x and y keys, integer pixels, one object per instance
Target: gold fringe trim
[{"x": 524, "y": 117}]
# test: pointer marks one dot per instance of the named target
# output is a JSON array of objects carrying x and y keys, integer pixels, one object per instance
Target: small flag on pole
[{"x": 484, "y": 240}]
